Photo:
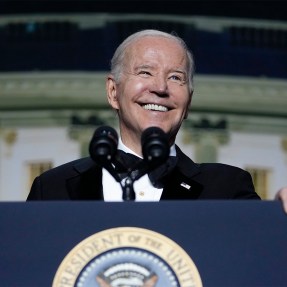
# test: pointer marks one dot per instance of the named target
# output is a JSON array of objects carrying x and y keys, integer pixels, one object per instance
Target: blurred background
[{"x": 55, "y": 55}]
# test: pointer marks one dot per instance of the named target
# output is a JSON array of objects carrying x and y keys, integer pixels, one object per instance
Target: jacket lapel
[
  {"x": 86, "y": 180},
  {"x": 86, "y": 183},
  {"x": 180, "y": 184}
]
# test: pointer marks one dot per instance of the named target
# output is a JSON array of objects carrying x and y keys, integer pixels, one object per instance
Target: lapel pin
[{"x": 185, "y": 185}]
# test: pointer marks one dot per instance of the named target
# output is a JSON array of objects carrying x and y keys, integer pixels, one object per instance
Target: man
[{"x": 150, "y": 84}]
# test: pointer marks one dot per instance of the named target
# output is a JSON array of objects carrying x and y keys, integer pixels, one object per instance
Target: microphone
[
  {"x": 155, "y": 150},
  {"x": 155, "y": 147},
  {"x": 103, "y": 146}
]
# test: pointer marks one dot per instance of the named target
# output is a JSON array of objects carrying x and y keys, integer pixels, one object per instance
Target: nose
[{"x": 160, "y": 86}]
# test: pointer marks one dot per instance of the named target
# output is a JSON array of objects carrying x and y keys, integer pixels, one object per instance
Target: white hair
[{"x": 119, "y": 55}]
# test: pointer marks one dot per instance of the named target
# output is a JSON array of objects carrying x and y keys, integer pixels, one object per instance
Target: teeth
[{"x": 154, "y": 107}]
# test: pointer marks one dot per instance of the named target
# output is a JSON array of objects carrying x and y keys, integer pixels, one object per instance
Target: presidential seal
[{"x": 127, "y": 257}]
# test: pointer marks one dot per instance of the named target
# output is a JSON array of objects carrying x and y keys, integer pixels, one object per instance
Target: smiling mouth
[{"x": 154, "y": 107}]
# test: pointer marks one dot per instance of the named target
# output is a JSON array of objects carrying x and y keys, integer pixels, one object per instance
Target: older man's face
[{"x": 153, "y": 89}]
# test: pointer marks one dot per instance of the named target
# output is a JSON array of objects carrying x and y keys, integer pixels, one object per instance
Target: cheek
[
  {"x": 181, "y": 97},
  {"x": 137, "y": 89},
  {"x": 133, "y": 88}
]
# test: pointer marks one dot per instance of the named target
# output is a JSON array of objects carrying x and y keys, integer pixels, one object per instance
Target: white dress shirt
[{"x": 143, "y": 188}]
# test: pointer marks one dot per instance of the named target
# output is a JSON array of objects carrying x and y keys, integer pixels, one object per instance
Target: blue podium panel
[{"x": 232, "y": 243}]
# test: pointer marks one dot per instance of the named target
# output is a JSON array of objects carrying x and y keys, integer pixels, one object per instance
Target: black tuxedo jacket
[{"x": 82, "y": 180}]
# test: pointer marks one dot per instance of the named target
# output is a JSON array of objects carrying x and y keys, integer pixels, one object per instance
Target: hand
[{"x": 282, "y": 195}]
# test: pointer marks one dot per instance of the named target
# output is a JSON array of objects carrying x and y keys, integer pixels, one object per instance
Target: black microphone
[
  {"x": 103, "y": 146},
  {"x": 155, "y": 151},
  {"x": 155, "y": 147}
]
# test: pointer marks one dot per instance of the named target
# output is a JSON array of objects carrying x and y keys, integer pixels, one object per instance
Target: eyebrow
[
  {"x": 147, "y": 66},
  {"x": 144, "y": 66},
  {"x": 179, "y": 71}
]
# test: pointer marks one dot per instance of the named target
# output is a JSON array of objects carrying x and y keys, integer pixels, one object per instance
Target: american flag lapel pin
[{"x": 185, "y": 185}]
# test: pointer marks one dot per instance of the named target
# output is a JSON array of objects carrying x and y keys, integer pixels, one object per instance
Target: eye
[
  {"x": 144, "y": 73},
  {"x": 178, "y": 78},
  {"x": 175, "y": 78}
]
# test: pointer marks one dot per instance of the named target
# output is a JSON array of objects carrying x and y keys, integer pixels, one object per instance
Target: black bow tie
[{"x": 125, "y": 162}]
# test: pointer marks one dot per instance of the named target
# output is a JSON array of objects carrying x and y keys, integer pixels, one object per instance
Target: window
[{"x": 261, "y": 181}]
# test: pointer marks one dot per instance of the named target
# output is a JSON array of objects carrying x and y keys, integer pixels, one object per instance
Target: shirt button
[{"x": 141, "y": 193}]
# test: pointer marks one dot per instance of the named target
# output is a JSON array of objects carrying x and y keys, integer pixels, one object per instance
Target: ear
[
  {"x": 188, "y": 105},
  {"x": 111, "y": 89}
]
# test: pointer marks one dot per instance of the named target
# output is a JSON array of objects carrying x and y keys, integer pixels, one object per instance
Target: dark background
[
  {"x": 275, "y": 10},
  {"x": 60, "y": 45}
]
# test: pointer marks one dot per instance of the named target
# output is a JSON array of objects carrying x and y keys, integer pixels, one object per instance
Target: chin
[{"x": 155, "y": 125}]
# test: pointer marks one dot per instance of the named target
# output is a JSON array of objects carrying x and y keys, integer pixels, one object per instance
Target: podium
[{"x": 232, "y": 243}]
